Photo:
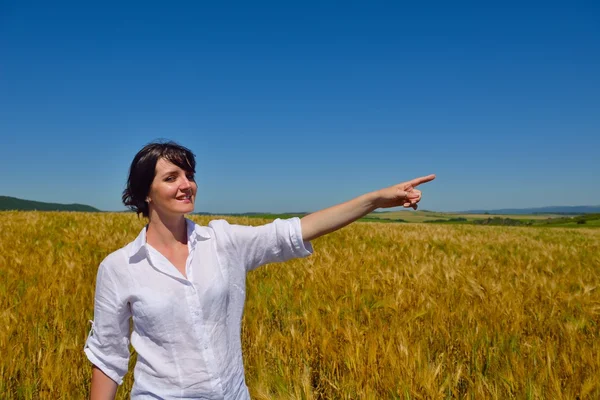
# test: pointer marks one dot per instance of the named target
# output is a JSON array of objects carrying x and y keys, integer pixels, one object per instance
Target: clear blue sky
[{"x": 298, "y": 106}]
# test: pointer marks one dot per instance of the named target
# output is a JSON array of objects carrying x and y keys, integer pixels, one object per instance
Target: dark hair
[{"x": 143, "y": 169}]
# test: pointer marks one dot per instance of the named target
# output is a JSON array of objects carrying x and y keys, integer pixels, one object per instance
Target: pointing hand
[{"x": 403, "y": 194}]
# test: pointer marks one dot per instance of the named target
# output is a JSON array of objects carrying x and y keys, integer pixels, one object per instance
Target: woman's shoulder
[
  {"x": 218, "y": 224},
  {"x": 224, "y": 229},
  {"x": 117, "y": 256},
  {"x": 116, "y": 260}
]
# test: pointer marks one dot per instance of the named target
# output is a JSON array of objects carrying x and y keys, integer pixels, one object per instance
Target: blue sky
[{"x": 298, "y": 106}]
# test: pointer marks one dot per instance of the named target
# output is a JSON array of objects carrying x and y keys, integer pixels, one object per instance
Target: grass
[{"x": 413, "y": 311}]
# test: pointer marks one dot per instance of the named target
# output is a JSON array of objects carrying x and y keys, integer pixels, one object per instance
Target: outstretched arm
[{"x": 333, "y": 218}]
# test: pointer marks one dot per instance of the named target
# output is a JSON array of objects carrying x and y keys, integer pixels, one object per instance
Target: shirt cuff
[
  {"x": 302, "y": 248},
  {"x": 102, "y": 366}
]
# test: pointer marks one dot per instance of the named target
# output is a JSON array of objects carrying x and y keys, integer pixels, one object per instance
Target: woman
[{"x": 183, "y": 285}]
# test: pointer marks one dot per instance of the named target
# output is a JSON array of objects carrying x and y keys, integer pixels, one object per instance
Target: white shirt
[{"x": 186, "y": 332}]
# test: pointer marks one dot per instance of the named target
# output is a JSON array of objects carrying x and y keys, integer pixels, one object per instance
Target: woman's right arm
[
  {"x": 103, "y": 388},
  {"x": 107, "y": 345}
]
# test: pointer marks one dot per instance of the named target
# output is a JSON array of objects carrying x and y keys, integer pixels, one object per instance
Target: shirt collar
[{"x": 194, "y": 232}]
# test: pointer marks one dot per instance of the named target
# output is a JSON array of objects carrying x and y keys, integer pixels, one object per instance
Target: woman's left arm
[{"x": 333, "y": 218}]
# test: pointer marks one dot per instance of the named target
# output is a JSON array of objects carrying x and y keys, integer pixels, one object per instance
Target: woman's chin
[{"x": 187, "y": 210}]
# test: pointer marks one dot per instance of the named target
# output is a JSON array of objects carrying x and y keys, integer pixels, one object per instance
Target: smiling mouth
[{"x": 184, "y": 198}]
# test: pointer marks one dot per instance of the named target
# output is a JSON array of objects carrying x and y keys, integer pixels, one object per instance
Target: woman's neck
[{"x": 166, "y": 232}]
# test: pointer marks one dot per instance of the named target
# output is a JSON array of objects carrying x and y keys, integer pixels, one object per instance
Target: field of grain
[
  {"x": 427, "y": 216},
  {"x": 406, "y": 311}
]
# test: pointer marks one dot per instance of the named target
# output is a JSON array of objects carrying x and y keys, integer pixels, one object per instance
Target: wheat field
[{"x": 398, "y": 311}]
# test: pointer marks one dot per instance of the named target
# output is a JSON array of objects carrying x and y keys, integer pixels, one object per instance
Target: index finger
[{"x": 423, "y": 179}]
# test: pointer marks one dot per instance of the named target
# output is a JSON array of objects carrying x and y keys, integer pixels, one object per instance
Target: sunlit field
[
  {"x": 406, "y": 311},
  {"x": 426, "y": 216}
]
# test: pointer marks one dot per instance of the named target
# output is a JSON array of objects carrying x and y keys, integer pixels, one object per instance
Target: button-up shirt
[{"x": 186, "y": 331}]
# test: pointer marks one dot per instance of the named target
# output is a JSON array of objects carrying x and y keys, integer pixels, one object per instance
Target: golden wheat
[{"x": 379, "y": 311}]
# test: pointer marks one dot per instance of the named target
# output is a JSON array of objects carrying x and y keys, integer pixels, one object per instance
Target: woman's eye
[
  {"x": 190, "y": 177},
  {"x": 170, "y": 179}
]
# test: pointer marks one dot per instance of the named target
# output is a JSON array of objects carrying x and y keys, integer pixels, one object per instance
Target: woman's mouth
[{"x": 185, "y": 199}]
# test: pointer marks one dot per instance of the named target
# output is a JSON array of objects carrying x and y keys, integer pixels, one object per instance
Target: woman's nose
[{"x": 185, "y": 183}]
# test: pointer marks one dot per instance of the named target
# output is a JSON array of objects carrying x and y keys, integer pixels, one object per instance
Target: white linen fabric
[{"x": 186, "y": 332}]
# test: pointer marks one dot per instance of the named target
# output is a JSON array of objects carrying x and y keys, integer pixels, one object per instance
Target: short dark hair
[{"x": 143, "y": 170}]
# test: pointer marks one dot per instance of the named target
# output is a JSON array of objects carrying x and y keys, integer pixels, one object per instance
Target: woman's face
[{"x": 173, "y": 189}]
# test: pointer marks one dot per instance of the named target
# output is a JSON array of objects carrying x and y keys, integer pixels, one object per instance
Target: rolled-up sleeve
[
  {"x": 280, "y": 240},
  {"x": 107, "y": 345}
]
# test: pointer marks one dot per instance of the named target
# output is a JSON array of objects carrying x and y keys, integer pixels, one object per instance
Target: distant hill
[
  {"x": 567, "y": 210},
  {"x": 12, "y": 203}
]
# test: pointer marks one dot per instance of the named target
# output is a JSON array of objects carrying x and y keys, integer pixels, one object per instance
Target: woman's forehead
[{"x": 164, "y": 165}]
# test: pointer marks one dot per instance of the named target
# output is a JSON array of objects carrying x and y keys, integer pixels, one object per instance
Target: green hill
[{"x": 12, "y": 203}]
